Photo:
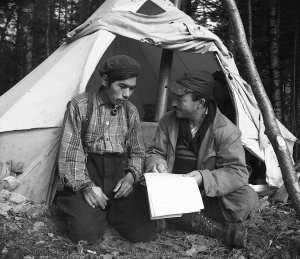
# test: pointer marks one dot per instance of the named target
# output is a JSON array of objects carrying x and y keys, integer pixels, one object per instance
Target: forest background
[{"x": 30, "y": 30}]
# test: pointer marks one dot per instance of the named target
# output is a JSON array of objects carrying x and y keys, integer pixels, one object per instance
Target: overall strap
[
  {"x": 89, "y": 112},
  {"x": 126, "y": 113}
]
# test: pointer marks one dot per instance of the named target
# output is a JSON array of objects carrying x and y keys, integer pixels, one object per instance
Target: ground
[{"x": 273, "y": 233}]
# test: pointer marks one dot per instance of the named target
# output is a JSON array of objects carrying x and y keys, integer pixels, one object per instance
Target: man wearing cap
[
  {"x": 195, "y": 139},
  {"x": 100, "y": 168}
]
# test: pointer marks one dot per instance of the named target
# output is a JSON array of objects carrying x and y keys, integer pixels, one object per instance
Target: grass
[{"x": 273, "y": 233}]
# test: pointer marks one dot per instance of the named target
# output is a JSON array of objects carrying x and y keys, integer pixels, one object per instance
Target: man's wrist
[
  {"x": 91, "y": 185},
  {"x": 131, "y": 172}
]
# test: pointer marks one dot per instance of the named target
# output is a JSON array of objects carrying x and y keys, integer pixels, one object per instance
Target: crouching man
[
  {"x": 101, "y": 159},
  {"x": 197, "y": 140}
]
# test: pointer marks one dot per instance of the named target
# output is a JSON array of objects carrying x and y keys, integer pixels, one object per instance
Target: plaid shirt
[{"x": 106, "y": 134}]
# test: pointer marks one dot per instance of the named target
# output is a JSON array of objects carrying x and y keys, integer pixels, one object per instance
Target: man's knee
[{"x": 80, "y": 230}]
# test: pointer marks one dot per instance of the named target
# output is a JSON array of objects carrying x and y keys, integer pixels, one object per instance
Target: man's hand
[
  {"x": 95, "y": 197},
  {"x": 124, "y": 187},
  {"x": 197, "y": 175},
  {"x": 159, "y": 168}
]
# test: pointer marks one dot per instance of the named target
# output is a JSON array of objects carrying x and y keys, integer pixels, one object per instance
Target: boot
[{"x": 231, "y": 234}]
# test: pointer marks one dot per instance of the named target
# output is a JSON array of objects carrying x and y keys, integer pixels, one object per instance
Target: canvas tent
[{"x": 31, "y": 112}]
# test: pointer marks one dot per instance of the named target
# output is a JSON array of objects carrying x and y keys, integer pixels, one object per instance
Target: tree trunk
[
  {"x": 58, "y": 30},
  {"x": 186, "y": 6},
  {"x": 8, "y": 20},
  {"x": 48, "y": 28},
  {"x": 231, "y": 38},
  {"x": 250, "y": 39},
  {"x": 84, "y": 10},
  {"x": 272, "y": 129},
  {"x": 29, "y": 45},
  {"x": 274, "y": 56},
  {"x": 19, "y": 41},
  {"x": 294, "y": 76}
]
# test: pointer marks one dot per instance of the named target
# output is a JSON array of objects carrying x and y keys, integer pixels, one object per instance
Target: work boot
[{"x": 231, "y": 234}]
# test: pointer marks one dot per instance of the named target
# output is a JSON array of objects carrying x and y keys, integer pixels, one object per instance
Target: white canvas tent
[{"x": 31, "y": 112}]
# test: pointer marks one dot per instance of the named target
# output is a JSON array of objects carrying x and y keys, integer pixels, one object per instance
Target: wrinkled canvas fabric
[{"x": 172, "y": 30}]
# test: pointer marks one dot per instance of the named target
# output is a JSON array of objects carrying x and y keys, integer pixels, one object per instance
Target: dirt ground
[{"x": 273, "y": 233}]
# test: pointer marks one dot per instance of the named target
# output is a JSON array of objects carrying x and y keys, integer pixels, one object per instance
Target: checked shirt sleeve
[
  {"x": 135, "y": 143},
  {"x": 72, "y": 167}
]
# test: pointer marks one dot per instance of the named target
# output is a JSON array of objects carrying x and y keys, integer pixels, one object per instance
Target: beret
[
  {"x": 199, "y": 81},
  {"x": 120, "y": 65}
]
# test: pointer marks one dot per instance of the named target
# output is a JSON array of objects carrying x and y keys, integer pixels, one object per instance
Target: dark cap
[
  {"x": 199, "y": 81},
  {"x": 120, "y": 66}
]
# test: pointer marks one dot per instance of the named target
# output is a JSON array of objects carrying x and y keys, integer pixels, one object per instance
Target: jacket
[{"x": 221, "y": 158}]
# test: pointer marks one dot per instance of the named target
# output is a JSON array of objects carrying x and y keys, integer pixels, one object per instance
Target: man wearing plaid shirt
[{"x": 100, "y": 169}]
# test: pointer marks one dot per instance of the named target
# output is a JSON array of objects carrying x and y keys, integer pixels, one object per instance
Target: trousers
[{"x": 130, "y": 216}]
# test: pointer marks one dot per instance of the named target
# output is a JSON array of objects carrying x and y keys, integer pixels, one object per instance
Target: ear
[
  {"x": 201, "y": 102},
  {"x": 104, "y": 80}
]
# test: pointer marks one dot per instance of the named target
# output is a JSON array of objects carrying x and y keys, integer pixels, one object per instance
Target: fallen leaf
[
  {"x": 12, "y": 227},
  {"x": 9, "y": 243},
  {"x": 28, "y": 257},
  {"x": 191, "y": 252},
  {"x": 263, "y": 203},
  {"x": 50, "y": 235},
  {"x": 19, "y": 224},
  {"x": 4, "y": 251},
  {"x": 4, "y": 208},
  {"x": 17, "y": 208},
  {"x": 17, "y": 198},
  {"x": 38, "y": 225},
  {"x": 195, "y": 249},
  {"x": 33, "y": 212},
  {"x": 201, "y": 248}
]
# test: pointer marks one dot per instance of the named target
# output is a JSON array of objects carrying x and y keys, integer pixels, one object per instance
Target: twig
[
  {"x": 229, "y": 254},
  {"x": 174, "y": 237},
  {"x": 113, "y": 248},
  {"x": 215, "y": 250}
]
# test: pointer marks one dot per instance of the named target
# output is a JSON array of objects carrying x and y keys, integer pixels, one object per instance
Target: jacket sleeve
[
  {"x": 225, "y": 168},
  {"x": 71, "y": 161},
  {"x": 157, "y": 151}
]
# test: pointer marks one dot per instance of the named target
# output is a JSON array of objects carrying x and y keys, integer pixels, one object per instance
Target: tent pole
[{"x": 164, "y": 78}]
